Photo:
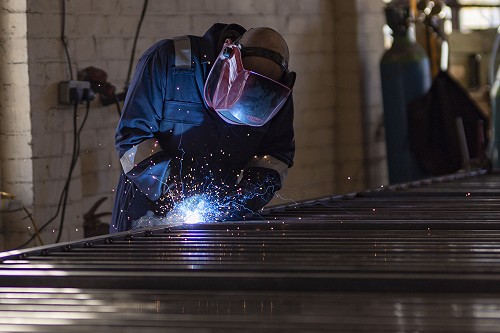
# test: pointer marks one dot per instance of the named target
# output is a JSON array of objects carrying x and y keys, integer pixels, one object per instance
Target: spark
[
  {"x": 194, "y": 217},
  {"x": 191, "y": 196},
  {"x": 195, "y": 209},
  {"x": 210, "y": 206}
]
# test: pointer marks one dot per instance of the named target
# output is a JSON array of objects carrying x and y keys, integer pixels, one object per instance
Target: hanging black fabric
[{"x": 432, "y": 127}]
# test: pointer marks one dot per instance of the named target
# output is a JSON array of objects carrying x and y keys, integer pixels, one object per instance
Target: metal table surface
[{"x": 416, "y": 257}]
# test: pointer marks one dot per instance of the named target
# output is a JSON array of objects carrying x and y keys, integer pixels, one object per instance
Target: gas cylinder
[
  {"x": 406, "y": 76},
  {"x": 494, "y": 81},
  {"x": 495, "y": 109}
]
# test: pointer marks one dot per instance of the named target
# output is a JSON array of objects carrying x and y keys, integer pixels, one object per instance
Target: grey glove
[{"x": 255, "y": 190}]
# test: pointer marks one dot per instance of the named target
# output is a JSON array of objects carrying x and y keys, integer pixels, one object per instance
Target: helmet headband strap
[{"x": 264, "y": 53}]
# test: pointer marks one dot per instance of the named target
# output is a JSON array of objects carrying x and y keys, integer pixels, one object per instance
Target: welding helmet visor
[{"x": 240, "y": 96}]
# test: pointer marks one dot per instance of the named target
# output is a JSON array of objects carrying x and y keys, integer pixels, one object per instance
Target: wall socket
[{"x": 75, "y": 91}]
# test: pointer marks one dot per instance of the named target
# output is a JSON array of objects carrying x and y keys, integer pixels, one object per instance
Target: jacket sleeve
[
  {"x": 142, "y": 158},
  {"x": 267, "y": 170},
  {"x": 279, "y": 142}
]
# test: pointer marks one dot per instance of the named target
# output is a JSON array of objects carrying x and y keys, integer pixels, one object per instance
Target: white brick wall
[
  {"x": 371, "y": 20},
  {"x": 323, "y": 37},
  {"x": 15, "y": 124}
]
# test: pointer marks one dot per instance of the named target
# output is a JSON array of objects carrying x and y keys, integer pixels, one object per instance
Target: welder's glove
[{"x": 254, "y": 191}]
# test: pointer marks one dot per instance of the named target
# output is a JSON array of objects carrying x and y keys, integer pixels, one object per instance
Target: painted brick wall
[
  {"x": 349, "y": 174},
  {"x": 370, "y": 39},
  {"x": 323, "y": 36},
  {"x": 15, "y": 124},
  {"x": 359, "y": 137}
]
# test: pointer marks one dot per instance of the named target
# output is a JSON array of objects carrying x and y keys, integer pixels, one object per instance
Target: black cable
[
  {"x": 74, "y": 159},
  {"x": 64, "y": 194},
  {"x": 77, "y": 131},
  {"x": 63, "y": 38},
  {"x": 76, "y": 143},
  {"x": 62, "y": 197},
  {"x": 144, "y": 7},
  {"x": 70, "y": 171},
  {"x": 37, "y": 232}
]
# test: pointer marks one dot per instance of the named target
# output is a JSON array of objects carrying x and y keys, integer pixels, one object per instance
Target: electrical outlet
[{"x": 75, "y": 91}]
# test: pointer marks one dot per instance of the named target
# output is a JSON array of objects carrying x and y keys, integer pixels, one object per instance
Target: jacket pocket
[
  {"x": 183, "y": 112},
  {"x": 185, "y": 87}
]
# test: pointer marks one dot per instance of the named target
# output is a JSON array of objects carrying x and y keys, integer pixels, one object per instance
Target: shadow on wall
[{"x": 92, "y": 224}]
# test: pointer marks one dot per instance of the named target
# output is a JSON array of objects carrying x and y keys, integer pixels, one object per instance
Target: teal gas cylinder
[
  {"x": 495, "y": 109},
  {"x": 406, "y": 76},
  {"x": 494, "y": 81}
]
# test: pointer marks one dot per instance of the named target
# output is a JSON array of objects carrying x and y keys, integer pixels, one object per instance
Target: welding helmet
[{"x": 240, "y": 96}]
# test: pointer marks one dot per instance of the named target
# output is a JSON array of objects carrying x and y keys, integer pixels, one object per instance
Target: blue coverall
[{"x": 167, "y": 135}]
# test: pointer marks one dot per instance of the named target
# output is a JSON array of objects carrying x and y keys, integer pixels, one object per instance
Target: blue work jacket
[{"x": 167, "y": 134}]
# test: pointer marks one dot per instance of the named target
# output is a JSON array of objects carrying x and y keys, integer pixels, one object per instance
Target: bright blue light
[
  {"x": 195, "y": 209},
  {"x": 201, "y": 208}
]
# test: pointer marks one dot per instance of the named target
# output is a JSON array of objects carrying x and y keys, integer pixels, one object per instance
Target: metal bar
[{"x": 422, "y": 256}]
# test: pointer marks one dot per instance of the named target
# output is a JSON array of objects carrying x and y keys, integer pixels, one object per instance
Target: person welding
[{"x": 209, "y": 115}]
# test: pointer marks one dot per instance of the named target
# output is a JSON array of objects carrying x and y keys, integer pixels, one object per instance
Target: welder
[{"x": 206, "y": 115}]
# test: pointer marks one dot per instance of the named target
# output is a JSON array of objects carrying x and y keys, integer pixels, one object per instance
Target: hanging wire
[
  {"x": 37, "y": 231},
  {"x": 63, "y": 38},
  {"x": 74, "y": 159},
  {"x": 61, "y": 206},
  {"x": 131, "y": 63}
]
